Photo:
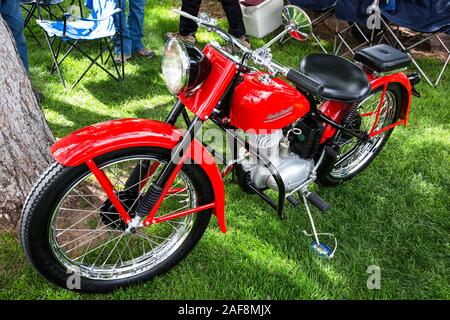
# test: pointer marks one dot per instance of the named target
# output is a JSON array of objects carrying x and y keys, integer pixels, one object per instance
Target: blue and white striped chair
[{"x": 98, "y": 26}]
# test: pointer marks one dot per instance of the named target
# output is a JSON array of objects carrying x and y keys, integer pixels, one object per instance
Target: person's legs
[
  {"x": 125, "y": 30},
  {"x": 12, "y": 14},
  {"x": 136, "y": 24},
  {"x": 234, "y": 16},
  {"x": 187, "y": 26}
]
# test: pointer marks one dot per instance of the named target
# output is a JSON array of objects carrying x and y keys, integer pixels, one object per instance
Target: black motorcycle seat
[{"x": 342, "y": 80}]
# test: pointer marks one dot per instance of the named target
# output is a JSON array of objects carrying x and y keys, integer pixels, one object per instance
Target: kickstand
[{"x": 318, "y": 247}]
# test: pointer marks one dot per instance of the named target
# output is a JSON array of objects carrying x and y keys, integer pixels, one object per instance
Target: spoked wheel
[
  {"x": 355, "y": 155},
  {"x": 70, "y": 227}
]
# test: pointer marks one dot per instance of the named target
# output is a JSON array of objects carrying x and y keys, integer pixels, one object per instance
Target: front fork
[{"x": 153, "y": 197}]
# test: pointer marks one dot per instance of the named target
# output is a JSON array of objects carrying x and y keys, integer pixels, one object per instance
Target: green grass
[{"x": 394, "y": 215}]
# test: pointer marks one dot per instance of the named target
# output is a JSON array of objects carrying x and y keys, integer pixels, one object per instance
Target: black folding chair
[
  {"x": 427, "y": 18},
  {"x": 358, "y": 14}
]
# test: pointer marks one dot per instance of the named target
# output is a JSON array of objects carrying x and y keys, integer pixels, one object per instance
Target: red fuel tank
[{"x": 263, "y": 103}]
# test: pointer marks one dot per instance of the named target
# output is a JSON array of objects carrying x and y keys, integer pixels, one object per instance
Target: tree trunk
[{"x": 24, "y": 137}]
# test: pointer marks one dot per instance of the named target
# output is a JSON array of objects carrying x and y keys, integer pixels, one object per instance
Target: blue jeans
[
  {"x": 132, "y": 27},
  {"x": 12, "y": 14}
]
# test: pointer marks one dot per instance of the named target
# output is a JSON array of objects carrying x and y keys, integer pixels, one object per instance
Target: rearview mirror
[{"x": 296, "y": 22}]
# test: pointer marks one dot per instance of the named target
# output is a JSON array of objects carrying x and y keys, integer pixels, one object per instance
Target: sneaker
[
  {"x": 244, "y": 40},
  {"x": 189, "y": 39},
  {"x": 118, "y": 58},
  {"x": 146, "y": 53}
]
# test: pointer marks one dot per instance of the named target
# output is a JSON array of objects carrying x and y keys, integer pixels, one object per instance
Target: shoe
[
  {"x": 244, "y": 40},
  {"x": 146, "y": 53},
  {"x": 189, "y": 39},
  {"x": 118, "y": 58}
]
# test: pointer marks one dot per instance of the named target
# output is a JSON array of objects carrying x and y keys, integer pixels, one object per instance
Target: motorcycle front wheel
[
  {"x": 353, "y": 155},
  {"x": 75, "y": 238}
]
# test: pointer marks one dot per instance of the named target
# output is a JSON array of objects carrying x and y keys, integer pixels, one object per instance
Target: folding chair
[
  {"x": 325, "y": 9},
  {"x": 30, "y": 6},
  {"x": 98, "y": 26},
  {"x": 428, "y": 18},
  {"x": 356, "y": 13}
]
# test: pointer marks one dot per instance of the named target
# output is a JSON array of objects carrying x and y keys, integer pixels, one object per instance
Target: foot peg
[
  {"x": 293, "y": 201},
  {"x": 317, "y": 202}
]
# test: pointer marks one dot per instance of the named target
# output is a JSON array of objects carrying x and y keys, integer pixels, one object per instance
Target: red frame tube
[
  {"x": 107, "y": 186},
  {"x": 183, "y": 213},
  {"x": 149, "y": 219}
]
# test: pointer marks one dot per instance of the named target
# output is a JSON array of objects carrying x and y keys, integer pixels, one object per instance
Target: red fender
[
  {"x": 101, "y": 138},
  {"x": 333, "y": 109}
]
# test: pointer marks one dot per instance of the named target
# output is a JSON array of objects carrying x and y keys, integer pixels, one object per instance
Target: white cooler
[{"x": 262, "y": 19}]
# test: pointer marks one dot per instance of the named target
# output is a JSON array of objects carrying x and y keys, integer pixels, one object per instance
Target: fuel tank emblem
[{"x": 275, "y": 116}]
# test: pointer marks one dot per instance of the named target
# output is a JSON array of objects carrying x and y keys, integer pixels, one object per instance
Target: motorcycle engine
[{"x": 293, "y": 169}]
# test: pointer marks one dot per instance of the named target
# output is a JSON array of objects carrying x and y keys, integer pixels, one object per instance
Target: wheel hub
[{"x": 109, "y": 214}]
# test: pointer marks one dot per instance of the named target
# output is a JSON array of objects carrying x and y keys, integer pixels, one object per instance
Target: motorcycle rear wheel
[
  {"x": 355, "y": 156},
  {"x": 65, "y": 232}
]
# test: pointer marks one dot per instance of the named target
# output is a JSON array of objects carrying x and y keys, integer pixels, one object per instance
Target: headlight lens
[{"x": 175, "y": 66}]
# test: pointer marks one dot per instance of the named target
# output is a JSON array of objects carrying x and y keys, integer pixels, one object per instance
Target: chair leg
[
  {"x": 33, "y": 35},
  {"x": 318, "y": 42},
  {"x": 446, "y": 61},
  {"x": 30, "y": 13},
  {"x": 397, "y": 40},
  {"x": 339, "y": 36},
  {"x": 55, "y": 61},
  {"x": 100, "y": 46},
  {"x": 57, "y": 55},
  {"x": 93, "y": 61},
  {"x": 111, "y": 56}
]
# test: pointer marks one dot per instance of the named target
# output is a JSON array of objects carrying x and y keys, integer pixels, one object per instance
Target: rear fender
[
  {"x": 105, "y": 137},
  {"x": 333, "y": 109}
]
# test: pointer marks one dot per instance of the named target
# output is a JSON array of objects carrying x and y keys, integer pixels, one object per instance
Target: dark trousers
[
  {"x": 12, "y": 14},
  {"x": 232, "y": 11}
]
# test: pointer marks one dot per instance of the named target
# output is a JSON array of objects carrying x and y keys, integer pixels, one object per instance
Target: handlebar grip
[{"x": 309, "y": 85}]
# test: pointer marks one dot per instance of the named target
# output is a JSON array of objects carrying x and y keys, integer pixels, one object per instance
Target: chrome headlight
[{"x": 175, "y": 66}]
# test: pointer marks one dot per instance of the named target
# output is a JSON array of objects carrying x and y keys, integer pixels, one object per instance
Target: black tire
[
  {"x": 329, "y": 180},
  {"x": 54, "y": 183}
]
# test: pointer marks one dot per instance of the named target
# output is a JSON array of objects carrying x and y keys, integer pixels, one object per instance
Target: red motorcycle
[{"x": 128, "y": 199}]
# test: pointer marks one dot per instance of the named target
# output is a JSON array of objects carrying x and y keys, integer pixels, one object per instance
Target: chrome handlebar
[{"x": 261, "y": 56}]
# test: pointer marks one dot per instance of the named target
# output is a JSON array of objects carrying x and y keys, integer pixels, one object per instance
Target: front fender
[{"x": 101, "y": 138}]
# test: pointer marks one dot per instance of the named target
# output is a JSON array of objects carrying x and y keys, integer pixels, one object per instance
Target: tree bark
[{"x": 24, "y": 137}]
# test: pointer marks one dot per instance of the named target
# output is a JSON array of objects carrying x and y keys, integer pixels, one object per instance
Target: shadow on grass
[
  {"x": 77, "y": 115},
  {"x": 144, "y": 82}
]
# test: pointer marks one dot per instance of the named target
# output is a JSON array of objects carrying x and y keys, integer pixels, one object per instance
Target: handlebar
[{"x": 306, "y": 83}]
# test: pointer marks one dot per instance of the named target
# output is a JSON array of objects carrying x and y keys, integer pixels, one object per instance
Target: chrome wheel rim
[
  {"x": 83, "y": 242},
  {"x": 354, "y": 154}
]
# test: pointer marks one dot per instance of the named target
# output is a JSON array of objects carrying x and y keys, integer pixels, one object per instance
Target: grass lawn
[{"x": 395, "y": 215}]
